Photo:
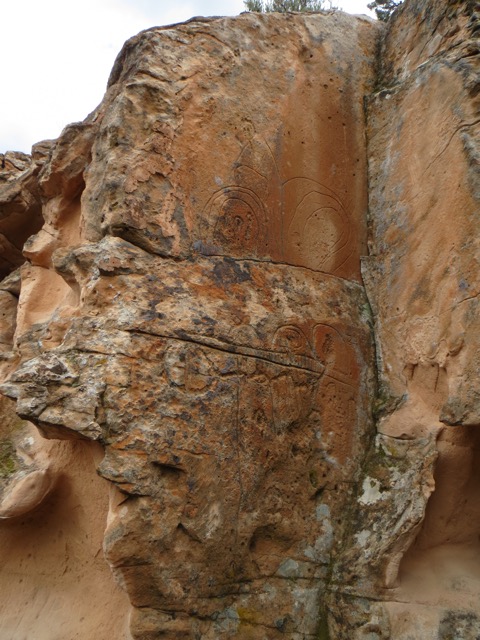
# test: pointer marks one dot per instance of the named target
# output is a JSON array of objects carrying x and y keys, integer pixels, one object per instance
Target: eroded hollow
[
  {"x": 54, "y": 577},
  {"x": 443, "y": 564},
  {"x": 53, "y": 505}
]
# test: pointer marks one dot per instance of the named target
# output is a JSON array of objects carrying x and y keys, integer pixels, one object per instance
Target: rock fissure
[{"x": 270, "y": 357}]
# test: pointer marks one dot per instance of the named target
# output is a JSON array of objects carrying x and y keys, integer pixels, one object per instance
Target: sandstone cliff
[
  {"x": 422, "y": 279},
  {"x": 249, "y": 301}
]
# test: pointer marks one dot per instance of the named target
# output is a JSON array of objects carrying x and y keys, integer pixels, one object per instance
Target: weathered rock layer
[{"x": 422, "y": 280}]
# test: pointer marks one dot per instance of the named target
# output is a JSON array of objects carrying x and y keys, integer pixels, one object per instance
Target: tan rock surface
[
  {"x": 20, "y": 206},
  {"x": 422, "y": 281},
  {"x": 54, "y": 581},
  {"x": 193, "y": 302}
]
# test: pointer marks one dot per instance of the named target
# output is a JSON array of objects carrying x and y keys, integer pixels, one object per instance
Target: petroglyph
[{"x": 299, "y": 221}]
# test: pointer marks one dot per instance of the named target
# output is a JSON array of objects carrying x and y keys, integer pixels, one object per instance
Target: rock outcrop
[
  {"x": 422, "y": 280},
  {"x": 252, "y": 307}
]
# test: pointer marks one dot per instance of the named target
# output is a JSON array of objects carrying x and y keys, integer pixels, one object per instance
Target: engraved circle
[
  {"x": 318, "y": 235},
  {"x": 238, "y": 220},
  {"x": 291, "y": 339}
]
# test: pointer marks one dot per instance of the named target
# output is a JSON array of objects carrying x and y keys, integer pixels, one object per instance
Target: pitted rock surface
[{"x": 193, "y": 302}]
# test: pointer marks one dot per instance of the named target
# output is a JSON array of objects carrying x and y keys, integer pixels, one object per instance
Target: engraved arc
[
  {"x": 335, "y": 352},
  {"x": 292, "y": 341},
  {"x": 236, "y": 223},
  {"x": 300, "y": 222},
  {"x": 317, "y": 230}
]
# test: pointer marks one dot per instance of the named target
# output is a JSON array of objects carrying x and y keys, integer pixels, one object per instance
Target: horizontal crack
[
  {"x": 283, "y": 264},
  {"x": 270, "y": 356},
  {"x": 191, "y": 257}
]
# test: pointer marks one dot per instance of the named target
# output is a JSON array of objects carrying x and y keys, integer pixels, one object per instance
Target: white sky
[{"x": 57, "y": 55}]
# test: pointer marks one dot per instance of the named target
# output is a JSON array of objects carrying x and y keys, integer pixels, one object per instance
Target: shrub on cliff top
[
  {"x": 384, "y": 8},
  {"x": 265, "y": 6}
]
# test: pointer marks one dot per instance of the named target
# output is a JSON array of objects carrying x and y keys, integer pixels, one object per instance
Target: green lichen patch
[
  {"x": 323, "y": 632},
  {"x": 456, "y": 625},
  {"x": 8, "y": 460}
]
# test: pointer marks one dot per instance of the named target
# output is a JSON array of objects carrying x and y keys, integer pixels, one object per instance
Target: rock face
[
  {"x": 198, "y": 303},
  {"x": 422, "y": 280},
  {"x": 194, "y": 304},
  {"x": 54, "y": 580}
]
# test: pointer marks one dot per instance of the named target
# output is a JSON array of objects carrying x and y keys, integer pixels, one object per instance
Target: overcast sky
[{"x": 57, "y": 55}]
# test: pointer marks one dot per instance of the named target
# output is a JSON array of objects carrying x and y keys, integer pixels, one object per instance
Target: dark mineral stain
[{"x": 228, "y": 271}]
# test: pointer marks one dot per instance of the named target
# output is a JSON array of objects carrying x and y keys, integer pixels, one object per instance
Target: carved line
[
  {"x": 299, "y": 216},
  {"x": 265, "y": 355},
  {"x": 330, "y": 193},
  {"x": 344, "y": 342},
  {"x": 218, "y": 199},
  {"x": 333, "y": 250}
]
